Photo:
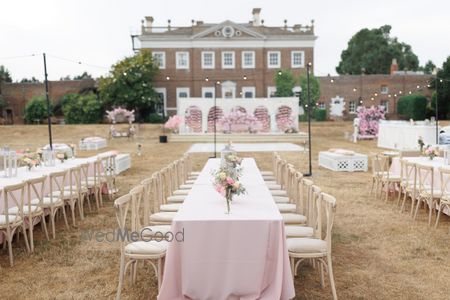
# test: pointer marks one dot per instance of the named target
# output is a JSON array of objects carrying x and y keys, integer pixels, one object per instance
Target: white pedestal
[{"x": 92, "y": 143}]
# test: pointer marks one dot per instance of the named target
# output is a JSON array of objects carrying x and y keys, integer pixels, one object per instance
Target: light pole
[
  {"x": 308, "y": 70},
  {"x": 48, "y": 104}
]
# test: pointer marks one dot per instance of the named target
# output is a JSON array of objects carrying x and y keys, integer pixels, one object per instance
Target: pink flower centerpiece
[
  {"x": 431, "y": 152},
  {"x": 227, "y": 186}
]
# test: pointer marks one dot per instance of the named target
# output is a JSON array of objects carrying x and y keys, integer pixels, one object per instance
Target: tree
[
  {"x": 130, "y": 84},
  {"x": 32, "y": 80},
  {"x": 314, "y": 90},
  {"x": 36, "y": 109},
  {"x": 372, "y": 50},
  {"x": 84, "y": 75},
  {"x": 5, "y": 76},
  {"x": 65, "y": 78},
  {"x": 82, "y": 109},
  {"x": 443, "y": 90},
  {"x": 428, "y": 68},
  {"x": 285, "y": 82}
]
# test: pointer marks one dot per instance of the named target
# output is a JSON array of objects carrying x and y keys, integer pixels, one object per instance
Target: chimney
[
  {"x": 256, "y": 16},
  {"x": 200, "y": 23},
  {"x": 148, "y": 24},
  {"x": 394, "y": 66}
]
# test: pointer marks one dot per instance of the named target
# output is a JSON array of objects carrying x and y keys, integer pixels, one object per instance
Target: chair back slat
[
  {"x": 328, "y": 205},
  {"x": 15, "y": 194},
  {"x": 137, "y": 194}
]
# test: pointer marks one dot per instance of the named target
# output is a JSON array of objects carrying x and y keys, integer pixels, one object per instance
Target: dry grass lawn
[{"x": 377, "y": 252}]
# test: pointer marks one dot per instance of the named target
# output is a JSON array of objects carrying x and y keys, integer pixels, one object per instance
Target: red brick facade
[
  {"x": 17, "y": 95},
  {"x": 373, "y": 89}
]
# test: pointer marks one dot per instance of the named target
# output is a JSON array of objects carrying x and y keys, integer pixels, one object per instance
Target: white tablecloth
[
  {"x": 404, "y": 136},
  {"x": 241, "y": 255}
]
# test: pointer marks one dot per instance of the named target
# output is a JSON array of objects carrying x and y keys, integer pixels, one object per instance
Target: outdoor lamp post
[
  {"x": 49, "y": 121},
  {"x": 308, "y": 71}
]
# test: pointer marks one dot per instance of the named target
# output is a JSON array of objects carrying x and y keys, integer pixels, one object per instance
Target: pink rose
[{"x": 230, "y": 180}]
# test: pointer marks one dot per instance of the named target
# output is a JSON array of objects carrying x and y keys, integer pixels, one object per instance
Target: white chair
[
  {"x": 89, "y": 186},
  {"x": 10, "y": 223},
  {"x": 54, "y": 201},
  {"x": 427, "y": 195},
  {"x": 130, "y": 253},
  {"x": 157, "y": 196},
  {"x": 34, "y": 213},
  {"x": 444, "y": 199},
  {"x": 319, "y": 247},
  {"x": 408, "y": 185},
  {"x": 72, "y": 192}
]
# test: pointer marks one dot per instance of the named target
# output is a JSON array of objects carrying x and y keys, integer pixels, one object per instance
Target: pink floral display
[
  {"x": 238, "y": 121},
  {"x": 174, "y": 122},
  {"x": 120, "y": 115},
  {"x": 369, "y": 119}
]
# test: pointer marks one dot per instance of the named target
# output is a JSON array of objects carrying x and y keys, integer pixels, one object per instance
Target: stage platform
[{"x": 300, "y": 137}]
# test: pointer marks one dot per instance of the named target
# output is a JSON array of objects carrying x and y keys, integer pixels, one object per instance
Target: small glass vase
[
  {"x": 229, "y": 199},
  {"x": 431, "y": 157}
]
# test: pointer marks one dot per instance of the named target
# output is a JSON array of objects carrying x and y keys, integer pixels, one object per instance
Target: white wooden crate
[
  {"x": 123, "y": 162},
  {"x": 92, "y": 143},
  {"x": 343, "y": 163}
]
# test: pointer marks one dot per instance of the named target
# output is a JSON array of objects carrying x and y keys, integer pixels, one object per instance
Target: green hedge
[
  {"x": 320, "y": 114},
  {"x": 412, "y": 107},
  {"x": 155, "y": 118},
  {"x": 36, "y": 109}
]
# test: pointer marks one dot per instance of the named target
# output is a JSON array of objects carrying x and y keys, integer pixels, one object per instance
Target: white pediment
[{"x": 228, "y": 29}]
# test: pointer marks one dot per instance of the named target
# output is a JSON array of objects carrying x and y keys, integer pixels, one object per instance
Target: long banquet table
[
  {"x": 241, "y": 255},
  {"x": 436, "y": 163}
]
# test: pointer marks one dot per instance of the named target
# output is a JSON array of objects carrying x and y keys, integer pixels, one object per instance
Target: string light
[{"x": 354, "y": 89}]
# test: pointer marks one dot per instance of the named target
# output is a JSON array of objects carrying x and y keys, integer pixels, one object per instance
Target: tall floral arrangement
[
  {"x": 119, "y": 115},
  {"x": 286, "y": 123},
  {"x": 227, "y": 184},
  {"x": 174, "y": 123},
  {"x": 369, "y": 119}
]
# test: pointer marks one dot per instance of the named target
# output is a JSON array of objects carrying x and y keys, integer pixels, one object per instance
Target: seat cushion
[
  {"x": 278, "y": 193},
  {"x": 269, "y": 178},
  {"x": 46, "y": 201},
  {"x": 281, "y": 199},
  {"x": 273, "y": 186},
  {"x": 306, "y": 245},
  {"x": 286, "y": 207},
  {"x": 194, "y": 173},
  {"x": 266, "y": 173},
  {"x": 12, "y": 219},
  {"x": 190, "y": 181},
  {"x": 292, "y": 231},
  {"x": 181, "y": 192},
  {"x": 66, "y": 194},
  {"x": 26, "y": 209},
  {"x": 155, "y": 230},
  {"x": 170, "y": 207},
  {"x": 290, "y": 218},
  {"x": 162, "y": 217},
  {"x": 150, "y": 248},
  {"x": 176, "y": 199},
  {"x": 186, "y": 186}
]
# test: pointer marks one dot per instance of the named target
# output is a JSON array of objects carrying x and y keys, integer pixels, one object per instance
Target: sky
[{"x": 97, "y": 32}]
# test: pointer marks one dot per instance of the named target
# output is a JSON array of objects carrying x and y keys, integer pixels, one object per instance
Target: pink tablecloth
[{"x": 241, "y": 255}]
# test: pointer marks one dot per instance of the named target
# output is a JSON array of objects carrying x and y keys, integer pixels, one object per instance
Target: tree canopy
[
  {"x": 84, "y": 75},
  {"x": 284, "y": 82},
  {"x": 372, "y": 50},
  {"x": 443, "y": 90},
  {"x": 130, "y": 84},
  {"x": 314, "y": 85},
  {"x": 5, "y": 76}
]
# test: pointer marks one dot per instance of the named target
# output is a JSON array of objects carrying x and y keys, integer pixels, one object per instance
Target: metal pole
[
  {"x": 436, "y": 111},
  {"x": 215, "y": 111},
  {"x": 308, "y": 66},
  {"x": 48, "y": 105}
]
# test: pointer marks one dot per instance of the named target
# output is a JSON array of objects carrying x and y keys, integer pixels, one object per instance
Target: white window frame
[
  {"x": 223, "y": 60},
  {"x": 213, "y": 60},
  {"x": 208, "y": 89},
  {"x": 163, "y": 91},
  {"x": 321, "y": 105},
  {"x": 271, "y": 66},
  {"x": 248, "y": 89},
  {"x": 177, "y": 54},
  {"x": 271, "y": 89},
  {"x": 183, "y": 90},
  {"x": 350, "y": 110},
  {"x": 302, "y": 63},
  {"x": 163, "y": 58},
  {"x": 385, "y": 92},
  {"x": 252, "y": 66}
]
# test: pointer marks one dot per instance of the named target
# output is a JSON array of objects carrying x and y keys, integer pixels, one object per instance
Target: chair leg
[
  {"x": 292, "y": 266},
  {"x": 52, "y": 220},
  {"x": 80, "y": 206},
  {"x": 330, "y": 274},
  {"x": 371, "y": 187},
  {"x": 322, "y": 284},
  {"x": 44, "y": 226},
  {"x": 72, "y": 209},
  {"x": 121, "y": 275},
  {"x": 387, "y": 192},
  {"x": 31, "y": 227},
  {"x": 419, "y": 201},
  {"x": 24, "y": 229},
  {"x": 438, "y": 215},
  {"x": 9, "y": 238},
  {"x": 430, "y": 213},
  {"x": 65, "y": 217},
  {"x": 159, "y": 273}
]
